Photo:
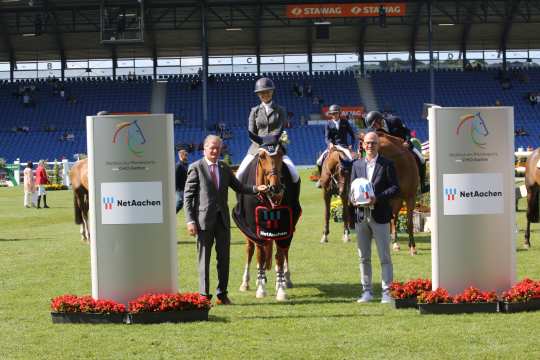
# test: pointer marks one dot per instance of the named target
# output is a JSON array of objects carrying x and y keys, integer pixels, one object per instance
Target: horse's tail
[
  {"x": 268, "y": 252},
  {"x": 533, "y": 208},
  {"x": 77, "y": 208}
]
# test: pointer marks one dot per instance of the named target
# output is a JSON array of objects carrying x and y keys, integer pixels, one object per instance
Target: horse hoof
[
  {"x": 412, "y": 251},
  {"x": 289, "y": 284},
  {"x": 281, "y": 295},
  {"x": 244, "y": 287},
  {"x": 526, "y": 246},
  {"x": 396, "y": 247},
  {"x": 260, "y": 294},
  {"x": 324, "y": 239},
  {"x": 346, "y": 238}
]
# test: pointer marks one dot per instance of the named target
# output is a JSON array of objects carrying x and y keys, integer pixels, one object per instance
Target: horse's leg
[
  {"x": 281, "y": 284},
  {"x": 527, "y": 243},
  {"x": 394, "y": 225},
  {"x": 326, "y": 230},
  {"x": 250, "y": 249},
  {"x": 346, "y": 218},
  {"x": 287, "y": 271},
  {"x": 410, "y": 228},
  {"x": 261, "y": 272}
]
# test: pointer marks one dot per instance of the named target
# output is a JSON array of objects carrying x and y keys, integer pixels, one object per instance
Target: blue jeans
[{"x": 179, "y": 201}]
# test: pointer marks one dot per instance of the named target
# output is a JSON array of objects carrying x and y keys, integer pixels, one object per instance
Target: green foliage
[
  {"x": 227, "y": 159},
  {"x": 56, "y": 178},
  {"x": 41, "y": 257},
  {"x": 2, "y": 163}
]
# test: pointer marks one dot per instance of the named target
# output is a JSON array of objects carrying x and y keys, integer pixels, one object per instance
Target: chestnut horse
[
  {"x": 267, "y": 169},
  {"x": 335, "y": 180},
  {"x": 392, "y": 148},
  {"x": 78, "y": 176},
  {"x": 532, "y": 183}
]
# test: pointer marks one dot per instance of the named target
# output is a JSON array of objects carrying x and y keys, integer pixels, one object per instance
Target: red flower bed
[
  {"x": 169, "y": 302},
  {"x": 523, "y": 291},
  {"x": 474, "y": 295},
  {"x": 409, "y": 290},
  {"x": 439, "y": 296},
  {"x": 85, "y": 304}
]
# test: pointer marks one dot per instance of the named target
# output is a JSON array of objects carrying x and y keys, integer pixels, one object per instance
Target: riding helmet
[
  {"x": 264, "y": 84},
  {"x": 373, "y": 116},
  {"x": 334, "y": 109}
]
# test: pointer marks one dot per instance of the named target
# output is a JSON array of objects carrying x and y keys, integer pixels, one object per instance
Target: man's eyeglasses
[{"x": 370, "y": 143}]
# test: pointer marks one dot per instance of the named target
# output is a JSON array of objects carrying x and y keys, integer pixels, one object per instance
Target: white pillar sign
[
  {"x": 132, "y": 217},
  {"x": 472, "y": 198}
]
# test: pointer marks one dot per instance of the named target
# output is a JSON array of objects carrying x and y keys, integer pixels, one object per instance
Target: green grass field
[{"x": 41, "y": 257}]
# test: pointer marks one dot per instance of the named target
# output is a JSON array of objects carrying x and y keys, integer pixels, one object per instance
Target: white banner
[
  {"x": 132, "y": 203},
  {"x": 473, "y": 194}
]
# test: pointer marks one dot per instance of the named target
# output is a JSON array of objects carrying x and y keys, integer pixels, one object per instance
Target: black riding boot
[
  {"x": 38, "y": 202},
  {"x": 424, "y": 188},
  {"x": 45, "y": 202}
]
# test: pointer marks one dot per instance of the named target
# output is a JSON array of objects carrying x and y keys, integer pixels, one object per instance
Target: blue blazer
[
  {"x": 385, "y": 186},
  {"x": 338, "y": 135}
]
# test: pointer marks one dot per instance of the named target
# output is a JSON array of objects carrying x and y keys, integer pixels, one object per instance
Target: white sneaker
[
  {"x": 386, "y": 298},
  {"x": 366, "y": 297}
]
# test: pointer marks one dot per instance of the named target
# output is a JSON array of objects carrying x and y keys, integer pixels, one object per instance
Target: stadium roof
[{"x": 71, "y": 29}]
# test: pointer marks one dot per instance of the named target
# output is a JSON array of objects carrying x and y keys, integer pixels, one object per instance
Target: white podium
[{"x": 472, "y": 198}]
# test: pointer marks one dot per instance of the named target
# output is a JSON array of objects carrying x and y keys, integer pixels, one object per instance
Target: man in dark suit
[
  {"x": 180, "y": 178},
  {"x": 372, "y": 219},
  {"x": 207, "y": 213}
]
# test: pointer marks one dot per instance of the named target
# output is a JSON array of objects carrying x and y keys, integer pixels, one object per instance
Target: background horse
[
  {"x": 532, "y": 183},
  {"x": 335, "y": 180},
  {"x": 392, "y": 148},
  {"x": 267, "y": 168},
  {"x": 78, "y": 176}
]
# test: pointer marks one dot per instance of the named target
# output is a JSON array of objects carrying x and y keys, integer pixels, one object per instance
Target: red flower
[
  {"x": 169, "y": 302},
  {"x": 474, "y": 295},
  {"x": 73, "y": 303},
  {"x": 410, "y": 289},
  {"x": 439, "y": 296},
  {"x": 525, "y": 290}
]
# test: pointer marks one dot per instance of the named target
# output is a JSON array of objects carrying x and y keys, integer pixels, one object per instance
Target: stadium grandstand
[{"x": 62, "y": 60}]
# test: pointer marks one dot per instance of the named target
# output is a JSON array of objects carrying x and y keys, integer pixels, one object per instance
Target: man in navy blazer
[{"x": 372, "y": 219}]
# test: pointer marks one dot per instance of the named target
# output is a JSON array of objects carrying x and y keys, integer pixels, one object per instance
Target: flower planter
[
  {"x": 87, "y": 318},
  {"x": 408, "y": 303},
  {"x": 167, "y": 316},
  {"x": 465, "y": 308},
  {"x": 509, "y": 307}
]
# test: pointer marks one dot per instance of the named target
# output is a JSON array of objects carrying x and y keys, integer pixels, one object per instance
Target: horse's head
[
  {"x": 478, "y": 129},
  {"x": 269, "y": 166},
  {"x": 339, "y": 168}
]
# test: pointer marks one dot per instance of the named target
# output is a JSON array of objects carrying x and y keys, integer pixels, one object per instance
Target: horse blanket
[{"x": 259, "y": 221}]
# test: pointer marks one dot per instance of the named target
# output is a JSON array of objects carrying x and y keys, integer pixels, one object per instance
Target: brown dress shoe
[{"x": 223, "y": 300}]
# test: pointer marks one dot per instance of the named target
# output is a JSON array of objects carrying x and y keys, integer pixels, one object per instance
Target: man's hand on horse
[
  {"x": 192, "y": 229},
  {"x": 262, "y": 188}
]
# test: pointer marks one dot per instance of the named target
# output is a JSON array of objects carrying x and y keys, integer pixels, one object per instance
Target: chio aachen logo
[
  {"x": 109, "y": 202},
  {"x": 477, "y": 128},
  {"x": 453, "y": 194},
  {"x": 133, "y": 137}
]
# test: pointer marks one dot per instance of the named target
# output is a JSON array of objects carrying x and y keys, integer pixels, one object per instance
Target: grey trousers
[
  {"x": 205, "y": 241},
  {"x": 365, "y": 231}
]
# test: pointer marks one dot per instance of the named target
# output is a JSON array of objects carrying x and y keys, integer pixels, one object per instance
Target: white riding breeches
[
  {"x": 346, "y": 151},
  {"x": 286, "y": 160},
  {"x": 419, "y": 155}
]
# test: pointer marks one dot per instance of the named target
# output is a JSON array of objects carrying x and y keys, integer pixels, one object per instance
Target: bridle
[{"x": 274, "y": 194}]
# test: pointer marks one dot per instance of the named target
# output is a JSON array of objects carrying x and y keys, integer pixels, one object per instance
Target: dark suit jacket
[
  {"x": 385, "y": 186},
  {"x": 202, "y": 201},
  {"x": 261, "y": 124},
  {"x": 181, "y": 175},
  {"x": 338, "y": 135}
]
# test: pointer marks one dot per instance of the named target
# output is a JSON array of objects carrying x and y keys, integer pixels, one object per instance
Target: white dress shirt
[
  {"x": 267, "y": 107},
  {"x": 370, "y": 167}
]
